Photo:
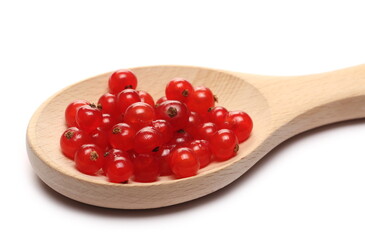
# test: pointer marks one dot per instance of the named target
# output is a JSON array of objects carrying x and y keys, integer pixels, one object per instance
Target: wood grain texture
[{"x": 281, "y": 107}]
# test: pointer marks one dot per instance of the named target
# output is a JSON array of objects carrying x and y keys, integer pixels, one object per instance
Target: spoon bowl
[{"x": 280, "y": 107}]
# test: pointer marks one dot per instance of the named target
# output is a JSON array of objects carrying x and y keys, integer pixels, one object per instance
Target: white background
[{"x": 310, "y": 187}]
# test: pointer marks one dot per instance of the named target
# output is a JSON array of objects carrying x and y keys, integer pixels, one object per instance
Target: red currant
[
  {"x": 119, "y": 171},
  {"x": 89, "y": 159},
  {"x": 193, "y": 124},
  {"x": 146, "y": 168},
  {"x": 175, "y": 112},
  {"x": 107, "y": 122},
  {"x": 70, "y": 112},
  {"x": 180, "y": 139},
  {"x": 88, "y": 117},
  {"x": 178, "y": 89},
  {"x": 160, "y": 100},
  {"x": 218, "y": 116},
  {"x": 202, "y": 151},
  {"x": 183, "y": 162},
  {"x": 164, "y": 128},
  {"x": 121, "y": 136},
  {"x": 120, "y": 80},
  {"x": 241, "y": 124},
  {"x": 71, "y": 140},
  {"x": 164, "y": 155},
  {"x": 146, "y": 98},
  {"x": 206, "y": 130},
  {"x": 108, "y": 104},
  {"x": 99, "y": 138},
  {"x": 201, "y": 100},
  {"x": 113, "y": 155},
  {"x": 126, "y": 98},
  {"x": 132, "y": 153},
  {"x": 224, "y": 144},
  {"x": 147, "y": 140},
  {"x": 139, "y": 115}
]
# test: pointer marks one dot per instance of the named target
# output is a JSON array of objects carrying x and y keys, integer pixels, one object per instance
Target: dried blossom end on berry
[
  {"x": 236, "y": 148},
  {"x": 185, "y": 93},
  {"x": 94, "y": 156},
  {"x": 116, "y": 130},
  {"x": 69, "y": 134},
  {"x": 172, "y": 112}
]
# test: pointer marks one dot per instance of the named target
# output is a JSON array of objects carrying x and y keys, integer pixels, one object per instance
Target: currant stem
[
  {"x": 215, "y": 98},
  {"x": 92, "y": 105},
  {"x": 156, "y": 149}
]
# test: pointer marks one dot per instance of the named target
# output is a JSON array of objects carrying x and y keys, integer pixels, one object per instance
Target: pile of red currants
[{"x": 126, "y": 135}]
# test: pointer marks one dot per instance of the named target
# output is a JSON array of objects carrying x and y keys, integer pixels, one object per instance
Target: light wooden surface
[{"x": 281, "y": 107}]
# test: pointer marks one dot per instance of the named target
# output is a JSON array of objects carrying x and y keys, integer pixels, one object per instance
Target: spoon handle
[{"x": 301, "y": 103}]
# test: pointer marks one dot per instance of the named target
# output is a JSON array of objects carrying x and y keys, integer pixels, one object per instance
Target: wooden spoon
[{"x": 280, "y": 107}]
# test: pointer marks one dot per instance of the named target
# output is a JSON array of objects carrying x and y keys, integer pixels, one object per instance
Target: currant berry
[
  {"x": 100, "y": 139},
  {"x": 241, "y": 124},
  {"x": 175, "y": 112},
  {"x": 70, "y": 112},
  {"x": 202, "y": 151},
  {"x": 108, "y": 104},
  {"x": 71, "y": 140},
  {"x": 113, "y": 155},
  {"x": 181, "y": 139},
  {"x": 119, "y": 171},
  {"x": 164, "y": 128},
  {"x": 224, "y": 144},
  {"x": 121, "y": 136},
  {"x": 122, "y": 79},
  {"x": 146, "y": 98},
  {"x": 201, "y": 100},
  {"x": 164, "y": 155},
  {"x": 178, "y": 89},
  {"x": 206, "y": 130},
  {"x": 146, "y": 168},
  {"x": 126, "y": 98},
  {"x": 218, "y": 116},
  {"x": 183, "y": 162},
  {"x": 107, "y": 122},
  {"x": 160, "y": 100},
  {"x": 89, "y": 159},
  {"x": 132, "y": 153},
  {"x": 88, "y": 117},
  {"x": 147, "y": 140},
  {"x": 193, "y": 123},
  {"x": 139, "y": 115}
]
